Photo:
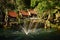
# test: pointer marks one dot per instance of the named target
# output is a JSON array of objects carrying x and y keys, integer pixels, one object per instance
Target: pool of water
[{"x": 39, "y": 34}]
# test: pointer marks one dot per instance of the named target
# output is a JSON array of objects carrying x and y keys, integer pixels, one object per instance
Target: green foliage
[
  {"x": 20, "y": 4},
  {"x": 40, "y": 6},
  {"x": 43, "y": 5},
  {"x": 33, "y": 2}
]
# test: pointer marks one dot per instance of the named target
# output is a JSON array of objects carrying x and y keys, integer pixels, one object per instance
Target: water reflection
[{"x": 39, "y": 34}]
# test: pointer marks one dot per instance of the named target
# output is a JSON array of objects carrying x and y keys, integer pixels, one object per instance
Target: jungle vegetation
[{"x": 43, "y": 8}]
